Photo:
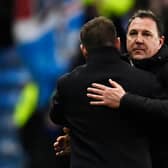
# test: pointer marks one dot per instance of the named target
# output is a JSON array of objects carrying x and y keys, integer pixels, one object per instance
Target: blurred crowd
[{"x": 39, "y": 41}]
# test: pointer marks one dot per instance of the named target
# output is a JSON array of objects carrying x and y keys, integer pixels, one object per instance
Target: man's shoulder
[
  {"x": 165, "y": 67},
  {"x": 143, "y": 73},
  {"x": 75, "y": 72},
  {"x": 163, "y": 75}
]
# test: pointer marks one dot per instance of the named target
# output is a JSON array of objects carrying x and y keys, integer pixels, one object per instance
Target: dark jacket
[
  {"x": 158, "y": 109},
  {"x": 158, "y": 65},
  {"x": 102, "y": 137}
]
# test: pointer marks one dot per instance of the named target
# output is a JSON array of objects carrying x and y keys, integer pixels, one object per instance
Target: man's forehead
[{"x": 143, "y": 23}]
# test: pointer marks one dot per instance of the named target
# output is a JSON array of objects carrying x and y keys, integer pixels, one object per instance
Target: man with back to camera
[
  {"x": 126, "y": 146},
  {"x": 146, "y": 49}
]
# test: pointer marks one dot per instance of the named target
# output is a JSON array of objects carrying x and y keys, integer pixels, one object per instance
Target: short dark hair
[
  {"x": 148, "y": 14},
  {"x": 98, "y": 32}
]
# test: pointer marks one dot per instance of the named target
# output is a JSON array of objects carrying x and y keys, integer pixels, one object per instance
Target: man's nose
[{"x": 139, "y": 39}]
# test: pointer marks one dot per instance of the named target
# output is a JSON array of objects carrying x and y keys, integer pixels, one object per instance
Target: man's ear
[
  {"x": 162, "y": 39},
  {"x": 117, "y": 43},
  {"x": 83, "y": 50}
]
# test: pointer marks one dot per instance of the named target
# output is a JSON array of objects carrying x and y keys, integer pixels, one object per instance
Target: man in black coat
[
  {"x": 151, "y": 55},
  {"x": 102, "y": 137}
]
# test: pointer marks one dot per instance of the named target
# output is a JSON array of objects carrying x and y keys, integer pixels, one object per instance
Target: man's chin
[{"x": 138, "y": 56}]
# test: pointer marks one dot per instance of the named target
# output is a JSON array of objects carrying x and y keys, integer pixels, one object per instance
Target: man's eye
[
  {"x": 132, "y": 33},
  {"x": 146, "y": 34}
]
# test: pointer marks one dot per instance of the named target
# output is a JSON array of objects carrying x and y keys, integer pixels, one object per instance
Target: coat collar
[
  {"x": 157, "y": 60},
  {"x": 103, "y": 55},
  {"x": 160, "y": 58}
]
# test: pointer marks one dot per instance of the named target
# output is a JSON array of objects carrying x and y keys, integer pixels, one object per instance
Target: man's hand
[
  {"x": 62, "y": 144},
  {"x": 106, "y": 96}
]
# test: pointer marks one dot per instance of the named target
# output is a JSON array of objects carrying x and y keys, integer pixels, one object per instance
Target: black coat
[
  {"x": 102, "y": 137},
  {"x": 156, "y": 108}
]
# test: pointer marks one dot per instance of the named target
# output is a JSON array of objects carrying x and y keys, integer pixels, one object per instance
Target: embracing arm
[
  {"x": 116, "y": 97},
  {"x": 155, "y": 106}
]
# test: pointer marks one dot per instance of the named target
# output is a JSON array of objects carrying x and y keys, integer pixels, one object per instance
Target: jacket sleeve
[
  {"x": 156, "y": 107},
  {"x": 56, "y": 109}
]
